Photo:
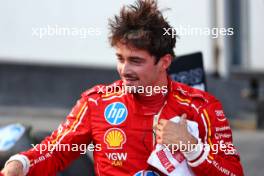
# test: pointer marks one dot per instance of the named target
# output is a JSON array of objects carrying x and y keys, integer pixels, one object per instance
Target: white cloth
[{"x": 176, "y": 165}]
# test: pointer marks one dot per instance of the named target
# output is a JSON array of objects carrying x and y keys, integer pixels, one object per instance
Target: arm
[
  {"x": 217, "y": 156},
  {"x": 58, "y": 150}
]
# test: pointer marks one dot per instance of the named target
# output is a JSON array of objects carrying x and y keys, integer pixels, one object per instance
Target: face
[{"x": 137, "y": 67}]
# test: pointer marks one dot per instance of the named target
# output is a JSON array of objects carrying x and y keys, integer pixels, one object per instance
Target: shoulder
[
  {"x": 103, "y": 91},
  {"x": 191, "y": 96}
]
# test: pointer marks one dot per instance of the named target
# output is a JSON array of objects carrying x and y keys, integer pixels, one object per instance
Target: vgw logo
[
  {"x": 116, "y": 156},
  {"x": 115, "y": 113}
]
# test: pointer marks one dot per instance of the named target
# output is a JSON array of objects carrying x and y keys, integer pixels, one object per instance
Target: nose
[{"x": 125, "y": 68}]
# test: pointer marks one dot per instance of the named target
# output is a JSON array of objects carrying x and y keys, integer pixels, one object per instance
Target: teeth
[{"x": 131, "y": 79}]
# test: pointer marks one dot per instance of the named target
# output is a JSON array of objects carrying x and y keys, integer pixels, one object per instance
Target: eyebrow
[
  {"x": 132, "y": 57},
  {"x": 118, "y": 55},
  {"x": 136, "y": 58}
]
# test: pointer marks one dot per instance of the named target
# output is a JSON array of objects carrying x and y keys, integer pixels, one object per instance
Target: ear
[{"x": 165, "y": 61}]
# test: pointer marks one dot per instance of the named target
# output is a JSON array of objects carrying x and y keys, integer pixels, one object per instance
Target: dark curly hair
[{"x": 142, "y": 26}]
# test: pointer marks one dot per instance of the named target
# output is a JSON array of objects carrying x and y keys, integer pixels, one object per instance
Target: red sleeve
[
  {"x": 64, "y": 145},
  {"x": 217, "y": 156}
]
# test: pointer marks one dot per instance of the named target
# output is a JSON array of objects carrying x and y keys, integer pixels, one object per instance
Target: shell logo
[{"x": 114, "y": 138}]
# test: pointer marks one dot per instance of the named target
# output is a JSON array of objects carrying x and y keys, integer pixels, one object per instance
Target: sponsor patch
[
  {"x": 116, "y": 159},
  {"x": 178, "y": 156},
  {"x": 164, "y": 160},
  {"x": 115, "y": 113},
  {"x": 146, "y": 173},
  {"x": 220, "y": 115},
  {"x": 223, "y": 128},
  {"x": 219, "y": 136},
  {"x": 114, "y": 138}
]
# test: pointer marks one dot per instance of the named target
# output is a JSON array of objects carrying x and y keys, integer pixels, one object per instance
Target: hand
[
  {"x": 13, "y": 168},
  {"x": 168, "y": 132}
]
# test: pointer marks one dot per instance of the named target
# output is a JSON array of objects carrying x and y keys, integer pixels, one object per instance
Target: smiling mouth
[{"x": 130, "y": 79}]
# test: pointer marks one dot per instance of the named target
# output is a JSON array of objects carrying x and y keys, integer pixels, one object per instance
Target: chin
[{"x": 130, "y": 83}]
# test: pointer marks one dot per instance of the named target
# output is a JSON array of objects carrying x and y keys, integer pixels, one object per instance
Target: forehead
[{"x": 130, "y": 51}]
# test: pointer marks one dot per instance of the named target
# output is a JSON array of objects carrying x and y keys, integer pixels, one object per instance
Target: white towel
[{"x": 173, "y": 164}]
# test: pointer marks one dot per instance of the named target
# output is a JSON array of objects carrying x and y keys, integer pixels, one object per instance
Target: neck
[
  {"x": 151, "y": 103},
  {"x": 158, "y": 88}
]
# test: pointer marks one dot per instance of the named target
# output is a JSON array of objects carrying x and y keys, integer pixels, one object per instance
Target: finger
[
  {"x": 184, "y": 116},
  {"x": 159, "y": 132},
  {"x": 183, "y": 121},
  {"x": 158, "y": 129},
  {"x": 163, "y": 121},
  {"x": 155, "y": 127},
  {"x": 159, "y": 140}
]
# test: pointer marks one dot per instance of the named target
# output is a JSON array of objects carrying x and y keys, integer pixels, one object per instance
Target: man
[{"x": 119, "y": 119}]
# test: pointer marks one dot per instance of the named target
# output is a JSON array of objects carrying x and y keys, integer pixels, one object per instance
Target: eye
[
  {"x": 137, "y": 61},
  {"x": 120, "y": 59}
]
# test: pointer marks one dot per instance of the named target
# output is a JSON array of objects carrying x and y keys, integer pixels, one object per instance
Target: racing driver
[{"x": 126, "y": 122}]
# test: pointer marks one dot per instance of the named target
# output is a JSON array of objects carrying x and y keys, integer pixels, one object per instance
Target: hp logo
[{"x": 115, "y": 113}]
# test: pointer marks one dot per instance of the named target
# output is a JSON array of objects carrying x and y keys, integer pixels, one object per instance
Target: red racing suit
[{"x": 122, "y": 133}]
